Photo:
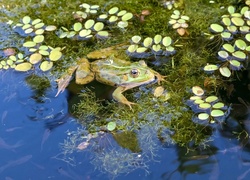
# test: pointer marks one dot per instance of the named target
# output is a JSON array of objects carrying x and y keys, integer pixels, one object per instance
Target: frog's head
[{"x": 138, "y": 74}]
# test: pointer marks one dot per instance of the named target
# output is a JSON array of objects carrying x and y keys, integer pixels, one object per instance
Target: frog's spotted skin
[{"x": 111, "y": 71}]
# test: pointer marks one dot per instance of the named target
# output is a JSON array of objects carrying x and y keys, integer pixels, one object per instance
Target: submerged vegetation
[{"x": 169, "y": 36}]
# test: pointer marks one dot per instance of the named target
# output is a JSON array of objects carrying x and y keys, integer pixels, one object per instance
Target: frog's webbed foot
[
  {"x": 118, "y": 96},
  {"x": 63, "y": 81},
  {"x": 160, "y": 78}
]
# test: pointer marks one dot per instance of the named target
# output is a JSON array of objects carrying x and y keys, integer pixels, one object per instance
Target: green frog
[{"x": 112, "y": 71}]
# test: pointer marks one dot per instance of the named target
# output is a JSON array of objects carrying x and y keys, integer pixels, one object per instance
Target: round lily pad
[
  {"x": 193, "y": 98},
  {"x": 239, "y": 55},
  {"x": 226, "y": 36},
  {"x": 113, "y": 10},
  {"x": 28, "y": 31},
  {"x": 157, "y": 39},
  {"x": 77, "y": 26},
  {"x": 122, "y": 24},
  {"x": 26, "y": 20},
  {"x": 29, "y": 44},
  {"x": 225, "y": 71},
  {"x": 247, "y": 37},
  {"x": 237, "y": 21},
  {"x": 228, "y": 48},
  {"x": 55, "y": 55},
  {"x": 218, "y": 105},
  {"x": 98, "y": 26},
  {"x": 240, "y": 44},
  {"x": 156, "y": 47},
  {"x": 36, "y": 21},
  {"x": 203, "y": 116},
  {"x": 38, "y": 39},
  {"x": 216, "y": 28},
  {"x": 235, "y": 63},
  {"x": 198, "y": 101},
  {"x": 204, "y": 105},
  {"x": 148, "y": 42},
  {"x": 132, "y": 48},
  {"x": 198, "y": 91},
  {"x": 111, "y": 126},
  {"x": 113, "y": 19},
  {"x": 226, "y": 21},
  {"x": 210, "y": 99},
  {"x": 231, "y": 9},
  {"x": 46, "y": 65},
  {"x": 141, "y": 49},
  {"x": 43, "y": 52},
  {"x": 35, "y": 58},
  {"x": 102, "y": 34},
  {"x": 210, "y": 67},
  {"x": 232, "y": 29},
  {"x": 39, "y": 31},
  {"x": 23, "y": 66},
  {"x": 166, "y": 41},
  {"x": 50, "y": 28},
  {"x": 89, "y": 23},
  {"x": 26, "y": 26},
  {"x": 223, "y": 55},
  {"x": 217, "y": 113},
  {"x": 136, "y": 39},
  {"x": 127, "y": 16},
  {"x": 39, "y": 25},
  {"x": 102, "y": 16},
  {"x": 84, "y": 32},
  {"x": 121, "y": 13}
]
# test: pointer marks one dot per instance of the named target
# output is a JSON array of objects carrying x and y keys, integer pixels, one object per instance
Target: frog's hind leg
[{"x": 84, "y": 75}]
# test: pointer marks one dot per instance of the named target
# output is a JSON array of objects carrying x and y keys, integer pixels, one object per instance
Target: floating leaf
[
  {"x": 111, "y": 126},
  {"x": 26, "y": 26},
  {"x": 50, "y": 28},
  {"x": 198, "y": 101},
  {"x": 157, "y": 39},
  {"x": 193, "y": 98},
  {"x": 210, "y": 67},
  {"x": 121, "y": 13},
  {"x": 237, "y": 21},
  {"x": 204, "y": 105},
  {"x": 247, "y": 37},
  {"x": 89, "y": 23},
  {"x": 141, "y": 49},
  {"x": 39, "y": 25},
  {"x": 102, "y": 16},
  {"x": 166, "y": 41},
  {"x": 235, "y": 63},
  {"x": 239, "y": 55},
  {"x": 77, "y": 26},
  {"x": 158, "y": 91},
  {"x": 203, "y": 116},
  {"x": 127, "y": 16},
  {"x": 98, "y": 26},
  {"x": 228, "y": 47},
  {"x": 223, "y": 55},
  {"x": 226, "y": 21},
  {"x": 46, "y": 65},
  {"x": 225, "y": 71},
  {"x": 29, "y": 44},
  {"x": 240, "y": 44},
  {"x": 198, "y": 91},
  {"x": 216, "y": 28},
  {"x": 218, "y": 105},
  {"x": 28, "y": 31},
  {"x": 226, "y": 35},
  {"x": 132, "y": 48},
  {"x": 217, "y": 113},
  {"x": 148, "y": 42},
  {"x": 232, "y": 29},
  {"x": 103, "y": 34},
  {"x": 210, "y": 99},
  {"x": 38, "y": 39},
  {"x": 55, "y": 55},
  {"x": 113, "y": 10},
  {"x": 231, "y": 9},
  {"x": 113, "y": 19},
  {"x": 35, "y": 58},
  {"x": 84, "y": 32},
  {"x": 122, "y": 24},
  {"x": 26, "y": 20},
  {"x": 36, "y": 21},
  {"x": 39, "y": 31},
  {"x": 156, "y": 47},
  {"x": 23, "y": 66}
]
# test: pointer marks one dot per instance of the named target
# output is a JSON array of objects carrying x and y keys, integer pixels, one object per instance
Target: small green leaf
[{"x": 111, "y": 126}]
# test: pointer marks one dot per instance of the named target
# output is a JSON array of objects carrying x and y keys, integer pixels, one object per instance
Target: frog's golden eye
[{"x": 134, "y": 73}]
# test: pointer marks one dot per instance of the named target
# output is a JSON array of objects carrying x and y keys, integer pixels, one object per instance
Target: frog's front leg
[{"x": 118, "y": 96}]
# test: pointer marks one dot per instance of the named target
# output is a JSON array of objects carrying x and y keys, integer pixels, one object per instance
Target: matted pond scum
[{"x": 180, "y": 111}]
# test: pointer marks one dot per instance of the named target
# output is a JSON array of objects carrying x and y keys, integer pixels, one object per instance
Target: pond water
[
  {"x": 41, "y": 139},
  {"x": 32, "y": 131}
]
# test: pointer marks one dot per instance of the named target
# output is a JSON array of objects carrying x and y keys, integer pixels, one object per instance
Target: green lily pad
[
  {"x": 231, "y": 9},
  {"x": 157, "y": 39},
  {"x": 198, "y": 91},
  {"x": 9, "y": 62},
  {"x": 23, "y": 66},
  {"x": 136, "y": 39},
  {"x": 77, "y": 26},
  {"x": 127, "y": 16},
  {"x": 156, "y": 47},
  {"x": 204, "y": 105},
  {"x": 226, "y": 21},
  {"x": 240, "y": 44},
  {"x": 235, "y": 63},
  {"x": 113, "y": 10},
  {"x": 237, "y": 21},
  {"x": 55, "y": 55},
  {"x": 89, "y": 23},
  {"x": 36, "y": 21},
  {"x": 98, "y": 26},
  {"x": 226, "y": 35},
  {"x": 13, "y": 58},
  {"x": 111, "y": 126},
  {"x": 28, "y": 31},
  {"x": 141, "y": 49},
  {"x": 247, "y": 37},
  {"x": 50, "y": 28},
  {"x": 46, "y": 65},
  {"x": 29, "y": 44},
  {"x": 102, "y": 16},
  {"x": 38, "y": 39},
  {"x": 210, "y": 99},
  {"x": 39, "y": 25},
  {"x": 228, "y": 48},
  {"x": 43, "y": 52},
  {"x": 132, "y": 48},
  {"x": 121, "y": 13},
  {"x": 210, "y": 67},
  {"x": 148, "y": 42},
  {"x": 217, "y": 113},
  {"x": 35, "y": 58},
  {"x": 225, "y": 71},
  {"x": 102, "y": 34},
  {"x": 223, "y": 54},
  {"x": 39, "y": 31},
  {"x": 239, "y": 55},
  {"x": 218, "y": 105},
  {"x": 113, "y": 19},
  {"x": 26, "y": 26},
  {"x": 166, "y": 41},
  {"x": 26, "y": 20},
  {"x": 122, "y": 24},
  {"x": 84, "y": 32},
  {"x": 216, "y": 28},
  {"x": 198, "y": 101},
  {"x": 193, "y": 98}
]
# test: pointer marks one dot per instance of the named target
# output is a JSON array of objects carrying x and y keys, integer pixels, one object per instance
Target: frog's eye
[{"x": 134, "y": 73}]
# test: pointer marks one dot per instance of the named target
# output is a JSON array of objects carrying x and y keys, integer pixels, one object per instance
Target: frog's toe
[{"x": 128, "y": 103}]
